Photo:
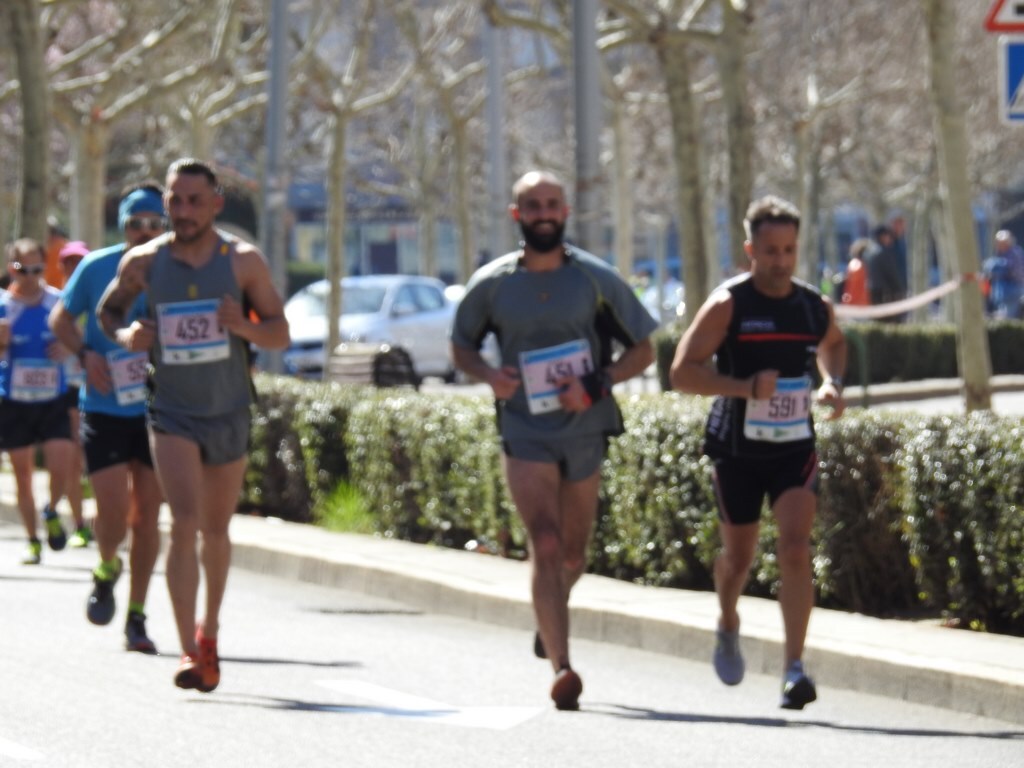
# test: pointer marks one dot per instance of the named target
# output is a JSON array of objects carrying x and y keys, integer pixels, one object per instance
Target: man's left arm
[
  {"x": 271, "y": 330},
  {"x": 832, "y": 365}
]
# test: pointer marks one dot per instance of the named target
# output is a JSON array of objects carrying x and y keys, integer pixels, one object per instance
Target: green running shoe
[
  {"x": 80, "y": 538},
  {"x": 34, "y": 553}
]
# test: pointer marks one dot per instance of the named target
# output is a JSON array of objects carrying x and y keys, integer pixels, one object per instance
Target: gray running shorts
[
  {"x": 577, "y": 457},
  {"x": 221, "y": 439}
]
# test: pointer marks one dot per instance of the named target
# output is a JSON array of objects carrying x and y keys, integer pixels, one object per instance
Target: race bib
[
  {"x": 783, "y": 417},
  {"x": 74, "y": 374},
  {"x": 189, "y": 332},
  {"x": 34, "y": 380},
  {"x": 129, "y": 371},
  {"x": 541, "y": 368}
]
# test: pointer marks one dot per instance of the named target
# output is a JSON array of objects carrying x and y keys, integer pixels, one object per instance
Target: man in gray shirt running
[{"x": 555, "y": 310}]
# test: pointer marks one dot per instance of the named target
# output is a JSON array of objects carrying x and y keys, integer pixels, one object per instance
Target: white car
[{"x": 406, "y": 311}]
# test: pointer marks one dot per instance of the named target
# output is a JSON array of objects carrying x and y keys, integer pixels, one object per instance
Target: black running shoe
[
  {"x": 135, "y": 637},
  {"x": 55, "y": 535},
  {"x": 797, "y": 688},
  {"x": 538, "y": 647},
  {"x": 100, "y": 608}
]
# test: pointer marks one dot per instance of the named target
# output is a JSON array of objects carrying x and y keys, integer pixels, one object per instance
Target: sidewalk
[{"x": 915, "y": 661}]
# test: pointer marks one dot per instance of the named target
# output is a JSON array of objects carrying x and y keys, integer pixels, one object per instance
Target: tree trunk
[
  {"x": 26, "y": 37},
  {"x": 621, "y": 188},
  {"x": 808, "y": 141},
  {"x": 463, "y": 215},
  {"x": 972, "y": 341},
  {"x": 731, "y": 54},
  {"x": 675, "y": 67},
  {"x": 336, "y": 222},
  {"x": 90, "y": 143},
  {"x": 918, "y": 239}
]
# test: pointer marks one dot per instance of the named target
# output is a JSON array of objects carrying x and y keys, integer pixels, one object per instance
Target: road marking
[
  {"x": 17, "y": 751},
  {"x": 392, "y": 703}
]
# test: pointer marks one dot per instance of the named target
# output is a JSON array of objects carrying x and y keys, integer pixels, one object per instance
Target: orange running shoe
[
  {"x": 566, "y": 689},
  {"x": 208, "y": 662},
  {"x": 188, "y": 675}
]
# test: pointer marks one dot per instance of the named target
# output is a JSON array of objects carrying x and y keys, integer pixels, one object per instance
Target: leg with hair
[
  {"x": 21, "y": 464},
  {"x": 534, "y": 487},
  {"x": 222, "y": 485},
  {"x": 57, "y": 455},
  {"x": 578, "y": 503},
  {"x": 143, "y": 519},
  {"x": 180, "y": 471},
  {"x": 794, "y": 512},
  {"x": 732, "y": 568},
  {"x": 74, "y": 481},
  {"x": 110, "y": 489}
]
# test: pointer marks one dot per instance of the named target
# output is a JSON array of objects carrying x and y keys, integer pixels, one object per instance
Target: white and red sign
[{"x": 1005, "y": 16}]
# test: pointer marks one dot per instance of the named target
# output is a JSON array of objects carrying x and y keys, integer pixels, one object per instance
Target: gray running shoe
[
  {"x": 797, "y": 688},
  {"x": 727, "y": 658}
]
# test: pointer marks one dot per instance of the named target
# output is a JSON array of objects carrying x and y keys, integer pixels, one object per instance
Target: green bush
[
  {"x": 916, "y": 514},
  {"x": 963, "y": 505}
]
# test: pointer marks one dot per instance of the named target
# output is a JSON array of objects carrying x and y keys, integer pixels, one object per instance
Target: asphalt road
[{"x": 323, "y": 677}]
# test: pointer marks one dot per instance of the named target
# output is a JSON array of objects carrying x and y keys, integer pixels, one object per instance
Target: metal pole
[
  {"x": 275, "y": 183},
  {"x": 500, "y": 237},
  {"x": 587, "y": 95}
]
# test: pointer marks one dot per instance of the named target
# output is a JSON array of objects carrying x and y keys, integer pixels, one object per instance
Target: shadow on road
[{"x": 639, "y": 713}]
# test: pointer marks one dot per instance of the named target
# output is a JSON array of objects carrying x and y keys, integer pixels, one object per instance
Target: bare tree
[
  {"x": 106, "y": 66},
  {"x": 341, "y": 94},
  {"x": 26, "y": 36},
  {"x": 950, "y": 129},
  {"x": 454, "y": 72}
]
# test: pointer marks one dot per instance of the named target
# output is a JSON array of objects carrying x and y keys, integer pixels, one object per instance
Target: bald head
[{"x": 533, "y": 179}]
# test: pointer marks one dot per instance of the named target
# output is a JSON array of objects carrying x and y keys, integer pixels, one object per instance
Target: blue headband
[{"x": 139, "y": 201}]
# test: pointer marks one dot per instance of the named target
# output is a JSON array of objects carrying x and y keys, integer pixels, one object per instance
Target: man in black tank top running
[
  {"x": 196, "y": 281},
  {"x": 767, "y": 333}
]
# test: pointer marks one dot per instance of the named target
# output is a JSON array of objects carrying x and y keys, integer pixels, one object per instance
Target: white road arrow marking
[{"x": 391, "y": 703}]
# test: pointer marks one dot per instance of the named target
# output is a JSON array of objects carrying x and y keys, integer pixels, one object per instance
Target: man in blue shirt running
[{"x": 113, "y": 422}]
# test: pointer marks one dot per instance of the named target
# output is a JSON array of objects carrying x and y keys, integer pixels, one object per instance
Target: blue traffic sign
[{"x": 1011, "y": 70}]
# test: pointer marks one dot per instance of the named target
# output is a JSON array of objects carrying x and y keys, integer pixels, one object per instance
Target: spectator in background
[
  {"x": 898, "y": 227},
  {"x": 855, "y": 288},
  {"x": 56, "y": 238},
  {"x": 885, "y": 279},
  {"x": 1004, "y": 271}
]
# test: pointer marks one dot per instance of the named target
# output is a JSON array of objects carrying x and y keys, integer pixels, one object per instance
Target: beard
[{"x": 543, "y": 242}]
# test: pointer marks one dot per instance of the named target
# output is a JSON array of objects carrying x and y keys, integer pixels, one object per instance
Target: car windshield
[{"x": 355, "y": 300}]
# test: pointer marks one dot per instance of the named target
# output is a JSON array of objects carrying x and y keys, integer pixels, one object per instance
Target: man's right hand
[
  {"x": 97, "y": 374},
  {"x": 504, "y": 382},
  {"x": 139, "y": 336},
  {"x": 763, "y": 385}
]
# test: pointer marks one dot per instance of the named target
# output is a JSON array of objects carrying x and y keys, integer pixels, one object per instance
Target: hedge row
[
  {"x": 880, "y": 353},
  {"x": 918, "y": 515}
]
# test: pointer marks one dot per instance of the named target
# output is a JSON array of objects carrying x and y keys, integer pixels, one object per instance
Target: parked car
[{"x": 406, "y": 311}]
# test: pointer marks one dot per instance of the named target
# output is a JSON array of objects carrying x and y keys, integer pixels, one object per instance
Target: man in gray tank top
[
  {"x": 197, "y": 280},
  {"x": 555, "y": 310}
]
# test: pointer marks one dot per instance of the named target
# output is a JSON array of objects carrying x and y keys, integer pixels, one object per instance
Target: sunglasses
[
  {"x": 27, "y": 269},
  {"x": 146, "y": 222}
]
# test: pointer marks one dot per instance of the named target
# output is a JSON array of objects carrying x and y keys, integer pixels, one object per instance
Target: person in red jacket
[{"x": 855, "y": 289}]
